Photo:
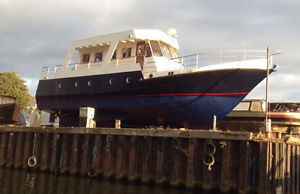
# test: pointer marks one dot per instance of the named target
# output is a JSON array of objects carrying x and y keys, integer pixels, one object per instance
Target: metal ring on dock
[
  {"x": 32, "y": 161},
  {"x": 210, "y": 148},
  {"x": 208, "y": 160}
]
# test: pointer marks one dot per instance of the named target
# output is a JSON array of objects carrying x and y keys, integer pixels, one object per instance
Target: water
[{"x": 14, "y": 181}]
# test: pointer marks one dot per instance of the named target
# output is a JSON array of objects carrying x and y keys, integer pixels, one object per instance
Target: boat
[
  {"x": 250, "y": 115},
  {"x": 9, "y": 110},
  {"x": 137, "y": 77}
]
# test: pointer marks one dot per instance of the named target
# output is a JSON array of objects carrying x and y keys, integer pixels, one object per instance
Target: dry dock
[{"x": 200, "y": 159}]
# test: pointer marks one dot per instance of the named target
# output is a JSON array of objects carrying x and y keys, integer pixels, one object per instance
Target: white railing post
[
  {"x": 75, "y": 67},
  {"x": 89, "y": 65},
  {"x": 197, "y": 62}
]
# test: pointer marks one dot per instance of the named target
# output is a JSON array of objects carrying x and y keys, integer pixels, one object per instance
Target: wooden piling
[
  {"x": 100, "y": 145},
  {"x": 54, "y": 152},
  {"x": 27, "y": 149},
  {"x": 36, "y": 150},
  {"x": 222, "y": 161},
  {"x": 19, "y": 150},
  {"x": 46, "y": 151},
  {"x": 190, "y": 175},
  {"x": 244, "y": 163},
  {"x": 122, "y": 157},
  {"x": 74, "y": 161},
  {"x": 10, "y": 150},
  {"x": 3, "y": 147},
  {"x": 65, "y": 153},
  {"x": 226, "y": 169}
]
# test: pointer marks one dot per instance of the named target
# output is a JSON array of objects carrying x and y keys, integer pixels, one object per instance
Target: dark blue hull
[{"x": 187, "y": 100}]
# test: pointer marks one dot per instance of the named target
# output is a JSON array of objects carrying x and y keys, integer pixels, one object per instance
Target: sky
[{"x": 37, "y": 33}]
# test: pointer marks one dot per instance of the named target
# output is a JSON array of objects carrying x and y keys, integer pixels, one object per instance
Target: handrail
[{"x": 187, "y": 61}]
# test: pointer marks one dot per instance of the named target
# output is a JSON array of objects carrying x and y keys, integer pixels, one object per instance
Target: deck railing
[
  {"x": 218, "y": 57},
  {"x": 187, "y": 62}
]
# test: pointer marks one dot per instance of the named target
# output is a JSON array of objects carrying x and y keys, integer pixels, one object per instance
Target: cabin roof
[{"x": 141, "y": 34}]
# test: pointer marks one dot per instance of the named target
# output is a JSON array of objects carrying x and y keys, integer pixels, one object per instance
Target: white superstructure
[{"x": 153, "y": 52}]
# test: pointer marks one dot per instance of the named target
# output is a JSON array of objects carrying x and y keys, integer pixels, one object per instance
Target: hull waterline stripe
[{"x": 148, "y": 95}]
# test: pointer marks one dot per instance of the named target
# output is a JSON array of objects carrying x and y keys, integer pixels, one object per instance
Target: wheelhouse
[{"x": 151, "y": 51}]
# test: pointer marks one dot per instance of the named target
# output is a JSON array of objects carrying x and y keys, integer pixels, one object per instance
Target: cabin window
[
  {"x": 173, "y": 53},
  {"x": 155, "y": 48},
  {"x": 114, "y": 55},
  {"x": 98, "y": 57},
  {"x": 140, "y": 49},
  {"x": 86, "y": 58},
  {"x": 148, "y": 50},
  {"x": 126, "y": 52},
  {"x": 165, "y": 50}
]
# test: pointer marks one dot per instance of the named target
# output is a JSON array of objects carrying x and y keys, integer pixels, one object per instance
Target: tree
[{"x": 12, "y": 84}]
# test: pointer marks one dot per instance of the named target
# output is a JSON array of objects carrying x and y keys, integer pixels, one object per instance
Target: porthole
[
  {"x": 76, "y": 84},
  {"x": 110, "y": 81},
  {"x": 59, "y": 85},
  {"x": 128, "y": 80},
  {"x": 90, "y": 83}
]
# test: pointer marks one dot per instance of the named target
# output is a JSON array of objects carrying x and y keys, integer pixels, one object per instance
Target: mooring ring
[
  {"x": 210, "y": 148},
  {"x": 32, "y": 161},
  {"x": 208, "y": 160}
]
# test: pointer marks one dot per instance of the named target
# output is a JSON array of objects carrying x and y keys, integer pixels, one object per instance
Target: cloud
[{"x": 37, "y": 33}]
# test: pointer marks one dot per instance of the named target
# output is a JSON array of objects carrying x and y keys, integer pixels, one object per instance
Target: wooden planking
[
  {"x": 65, "y": 156},
  {"x": 110, "y": 155},
  {"x": 10, "y": 150},
  {"x": 149, "y": 160},
  {"x": 74, "y": 161},
  {"x": 55, "y": 152},
  {"x": 263, "y": 167},
  {"x": 86, "y": 156},
  {"x": 100, "y": 141},
  {"x": 164, "y": 160},
  {"x": 179, "y": 159},
  {"x": 36, "y": 149},
  {"x": 244, "y": 167},
  {"x": 19, "y": 150},
  {"x": 190, "y": 171},
  {"x": 226, "y": 167},
  {"x": 3, "y": 148},
  {"x": 159, "y": 161},
  {"x": 46, "y": 151},
  {"x": 27, "y": 149}
]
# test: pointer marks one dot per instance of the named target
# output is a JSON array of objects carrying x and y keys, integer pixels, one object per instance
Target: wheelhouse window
[
  {"x": 98, "y": 57},
  {"x": 148, "y": 50},
  {"x": 114, "y": 55},
  {"x": 155, "y": 48},
  {"x": 140, "y": 49},
  {"x": 126, "y": 52},
  {"x": 165, "y": 50},
  {"x": 173, "y": 53},
  {"x": 85, "y": 58}
]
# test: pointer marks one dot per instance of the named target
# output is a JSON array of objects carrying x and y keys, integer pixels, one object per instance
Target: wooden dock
[{"x": 225, "y": 161}]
